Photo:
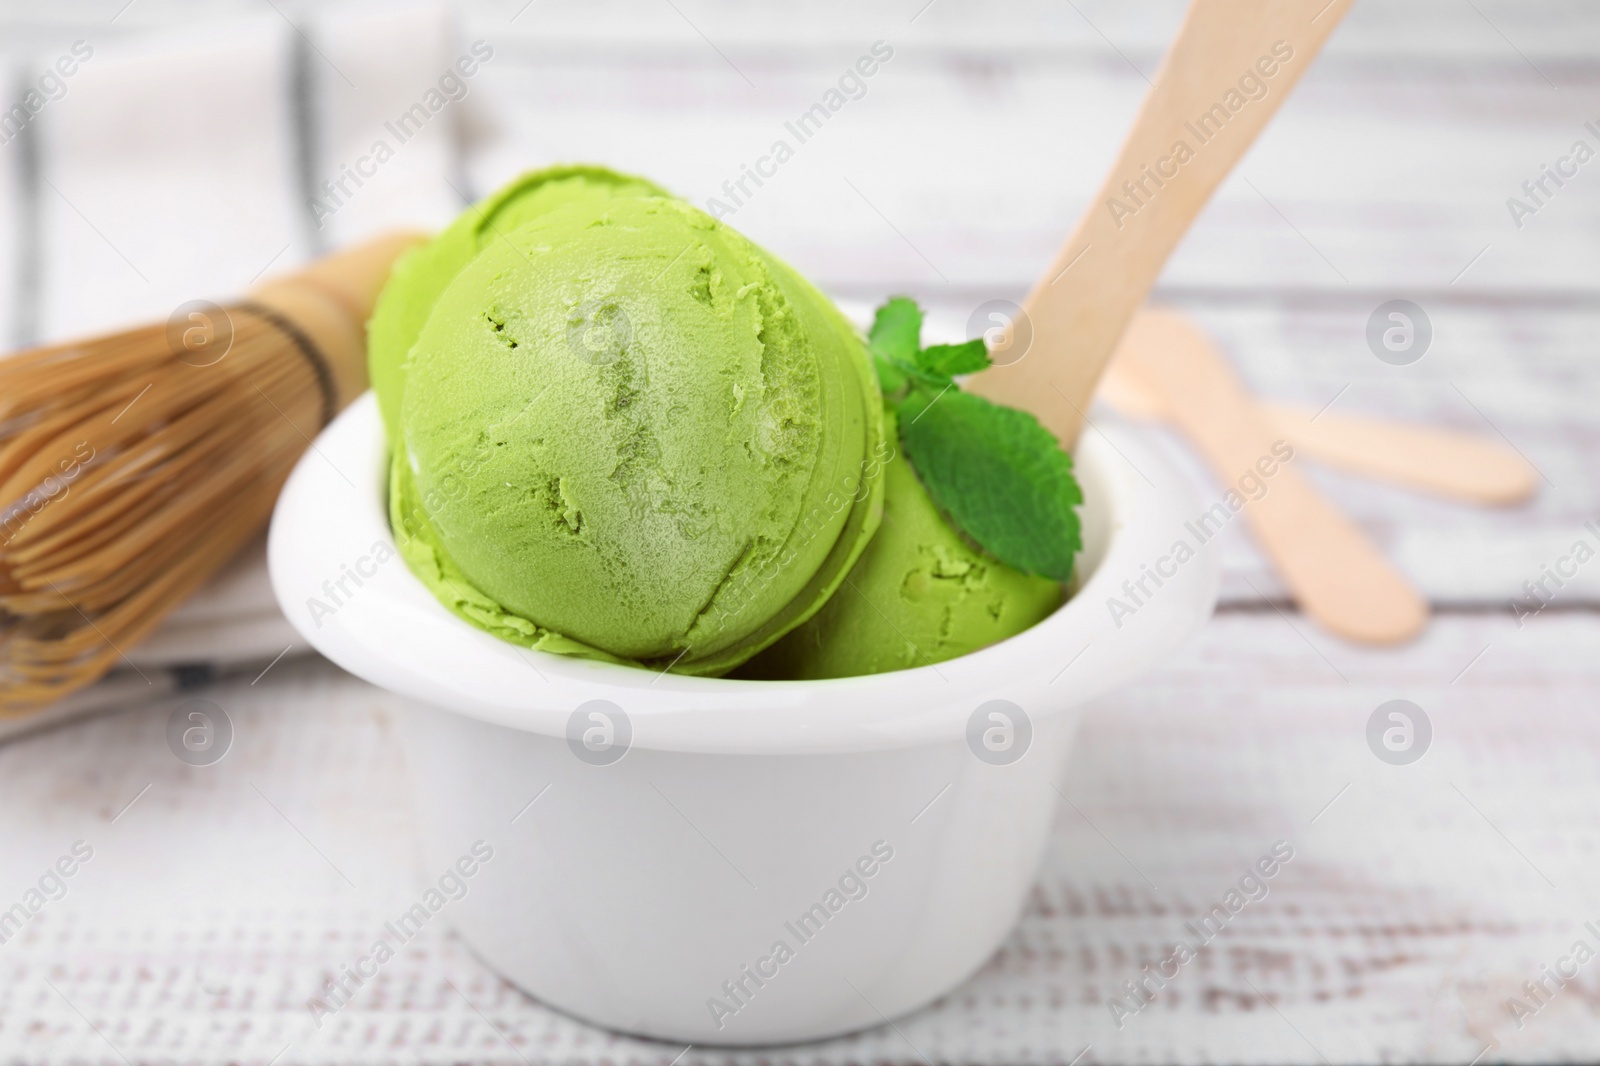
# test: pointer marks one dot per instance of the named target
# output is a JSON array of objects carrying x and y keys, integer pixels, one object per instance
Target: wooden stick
[
  {"x": 1231, "y": 66},
  {"x": 1445, "y": 462},
  {"x": 1336, "y": 574}
]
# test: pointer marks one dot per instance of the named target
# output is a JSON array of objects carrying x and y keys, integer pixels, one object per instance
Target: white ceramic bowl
[{"x": 901, "y": 816}]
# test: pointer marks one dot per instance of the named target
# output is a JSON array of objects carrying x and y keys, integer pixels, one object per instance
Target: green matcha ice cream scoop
[
  {"x": 918, "y": 595},
  {"x": 621, "y": 429}
]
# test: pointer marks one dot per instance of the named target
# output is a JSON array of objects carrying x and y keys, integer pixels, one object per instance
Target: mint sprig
[
  {"x": 999, "y": 476},
  {"x": 897, "y": 331}
]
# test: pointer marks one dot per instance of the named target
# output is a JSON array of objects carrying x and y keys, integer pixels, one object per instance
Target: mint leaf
[
  {"x": 897, "y": 331},
  {"x": 999, "y": 475},
  {"x": 948, "y": 360},
  {"x": 895, "y": 343}
]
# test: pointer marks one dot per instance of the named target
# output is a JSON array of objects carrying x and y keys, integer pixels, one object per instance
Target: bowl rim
[{"x": 390, "y": 630}]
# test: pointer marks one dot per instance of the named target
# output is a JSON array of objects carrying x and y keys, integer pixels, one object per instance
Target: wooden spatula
[{"x": 1231, "y": 66}]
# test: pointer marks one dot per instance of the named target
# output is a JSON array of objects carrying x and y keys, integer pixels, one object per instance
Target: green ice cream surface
[{"x": 424, "y": 272}]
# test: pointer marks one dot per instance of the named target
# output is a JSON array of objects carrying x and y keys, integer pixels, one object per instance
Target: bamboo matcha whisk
[{"x": 133, "y": 466}]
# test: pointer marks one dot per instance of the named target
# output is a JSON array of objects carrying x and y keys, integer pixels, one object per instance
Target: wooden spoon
[
  {"x": 1231, "y": 66},
  {"x": 1444, "y": 462},
  {"x": 1336, "y": 574}
]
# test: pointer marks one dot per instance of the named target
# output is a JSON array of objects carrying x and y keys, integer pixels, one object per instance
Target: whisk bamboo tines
[{"x": 133, "y": 466}]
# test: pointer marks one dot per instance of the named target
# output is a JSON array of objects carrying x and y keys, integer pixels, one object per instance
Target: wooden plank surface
[{"x": 1380, "y": 173}]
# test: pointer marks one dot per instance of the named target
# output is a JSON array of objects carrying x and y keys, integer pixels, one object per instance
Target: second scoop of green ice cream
[
  {"x": 622, "y": 430},
  {"x": 918, "y": 595}
]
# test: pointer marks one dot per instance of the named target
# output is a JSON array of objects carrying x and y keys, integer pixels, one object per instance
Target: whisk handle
[{"x": 329, "y": 303}]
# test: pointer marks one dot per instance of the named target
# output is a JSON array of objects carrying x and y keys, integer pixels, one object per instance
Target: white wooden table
[{"x": 1420, "y": 898}]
